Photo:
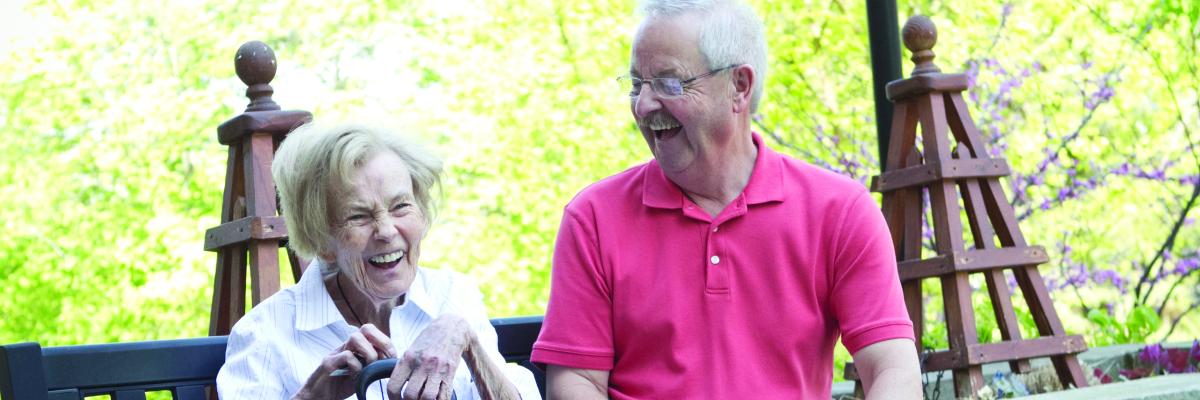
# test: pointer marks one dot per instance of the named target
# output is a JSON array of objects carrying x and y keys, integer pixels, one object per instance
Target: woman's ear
[{"x": 744, "y": 77}]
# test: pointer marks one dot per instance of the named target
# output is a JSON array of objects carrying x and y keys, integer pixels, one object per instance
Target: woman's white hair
[
  {"x": 317, "y": 162},
  {"x": 730, "y": 34}
]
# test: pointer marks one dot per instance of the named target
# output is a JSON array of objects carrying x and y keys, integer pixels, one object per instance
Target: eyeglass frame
[{"x": 637, "y": 83}]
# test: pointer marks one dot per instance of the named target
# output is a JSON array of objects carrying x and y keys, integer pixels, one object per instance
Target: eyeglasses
[{"x": 665, "y": 87}]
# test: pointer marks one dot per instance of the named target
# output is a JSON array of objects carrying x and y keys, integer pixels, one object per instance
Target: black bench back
[{"x": 185, "y": 367}]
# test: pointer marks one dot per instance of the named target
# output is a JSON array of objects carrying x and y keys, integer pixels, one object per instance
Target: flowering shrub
[
  {"x": 1151, "y": 360},
  {"x": 1155, "y": 360}
]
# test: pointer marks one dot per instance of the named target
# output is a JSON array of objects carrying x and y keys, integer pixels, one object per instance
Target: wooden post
[
  {"x": 251, "y": 230},
  {"x": 951, "y": 163}
]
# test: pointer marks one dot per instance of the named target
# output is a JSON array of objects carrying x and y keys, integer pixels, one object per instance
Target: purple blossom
[
  {"x": 995, "y": 152},
  {"x": 1109, "y": 276},
  {"x": 1063, "y": 194},
  {"x": 1154, "y": 354},
  {"x": 1077, "y": 275},
  {"x": 972, "y": 77},
  {"x": 1184, "y": 266},
  {"x": 1101, "y": 96}
]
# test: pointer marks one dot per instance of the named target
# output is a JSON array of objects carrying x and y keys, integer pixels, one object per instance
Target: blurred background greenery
[{"x": 110, "y": 170}]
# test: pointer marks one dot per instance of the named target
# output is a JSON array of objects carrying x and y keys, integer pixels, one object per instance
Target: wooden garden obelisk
[
  {"x": 950, "y": 164},
  {"x": 251, "y": 229}
]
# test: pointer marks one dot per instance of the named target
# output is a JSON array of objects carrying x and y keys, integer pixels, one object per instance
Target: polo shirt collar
[
  {"x": 766, "y": 181},
  {"x": 315, "y": 308}
]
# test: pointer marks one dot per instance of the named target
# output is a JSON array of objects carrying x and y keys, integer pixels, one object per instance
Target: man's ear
[{"x": 744, "y": 77}]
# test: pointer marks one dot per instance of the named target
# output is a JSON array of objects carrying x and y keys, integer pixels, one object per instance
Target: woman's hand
[
  {"x": 363, "y": 347},
  {"x": 427, "y": 368}
]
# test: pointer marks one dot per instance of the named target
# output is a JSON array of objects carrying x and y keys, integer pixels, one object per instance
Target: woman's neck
[{"x": 356, "y": 307}]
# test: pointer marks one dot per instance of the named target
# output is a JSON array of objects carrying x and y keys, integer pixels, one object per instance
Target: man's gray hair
[
  {"x": 318, "y": 162},
  {"x": 730, "y": 34}
]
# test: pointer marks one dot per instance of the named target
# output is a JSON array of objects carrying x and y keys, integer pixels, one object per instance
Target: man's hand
[
  {"x": 362, "y": 348},
  {"x": 426, "y": 371},
  {"x": 889, "y": 369},
  {"x": 575, "y": 383}
]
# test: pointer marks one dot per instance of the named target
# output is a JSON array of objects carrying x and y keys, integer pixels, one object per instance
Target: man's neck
[{"x": 715, "y": 186}]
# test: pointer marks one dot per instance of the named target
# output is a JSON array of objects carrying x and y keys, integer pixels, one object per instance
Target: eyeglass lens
[{"x": 667, "y": 87}]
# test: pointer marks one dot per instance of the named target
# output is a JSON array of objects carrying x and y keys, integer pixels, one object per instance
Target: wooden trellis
[
  {"x": 950, "y": 163},
  {"x": 251, "y": 229}
]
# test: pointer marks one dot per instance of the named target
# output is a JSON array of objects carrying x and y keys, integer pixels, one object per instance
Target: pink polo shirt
[{"x": 749, "y": 304}]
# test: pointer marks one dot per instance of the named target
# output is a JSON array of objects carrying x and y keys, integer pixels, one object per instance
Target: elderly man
[{"x": 720, "y": 269}]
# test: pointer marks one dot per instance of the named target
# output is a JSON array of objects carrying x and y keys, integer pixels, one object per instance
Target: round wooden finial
[
  {"x": 255, "y": 65},
  {"x": 919, "y": 37}
]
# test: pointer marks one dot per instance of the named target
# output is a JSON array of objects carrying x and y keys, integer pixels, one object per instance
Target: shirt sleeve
[
  {"x": 469, "y": 304},
  {"x": 252, "y": 368},
  {"x": 577, "y": 330},
  {"x": 866, "y": 296}
]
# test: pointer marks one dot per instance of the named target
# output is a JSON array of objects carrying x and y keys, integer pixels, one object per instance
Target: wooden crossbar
[
  {"x": 921, "y": 175},
  {"x": 972, "y": 260}
]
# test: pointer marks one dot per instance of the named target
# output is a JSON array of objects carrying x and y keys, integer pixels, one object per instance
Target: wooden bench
[{"x": 184, "y": 367}]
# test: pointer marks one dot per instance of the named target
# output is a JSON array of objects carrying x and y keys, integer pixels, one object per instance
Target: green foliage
[{"x": 1136, "y": 327}]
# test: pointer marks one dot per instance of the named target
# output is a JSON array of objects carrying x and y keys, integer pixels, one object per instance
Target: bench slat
[
  {"x": 129, "y": 395},
  {"x": 137, "y": 363},
  {"x": 190, "y": 393},
  {"x": 62, "y": 394}
]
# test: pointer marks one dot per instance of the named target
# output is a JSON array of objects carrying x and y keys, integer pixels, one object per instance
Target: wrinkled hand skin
[
  {"x": 426, "y": 370},
  {"x": 363, "y": 347}
]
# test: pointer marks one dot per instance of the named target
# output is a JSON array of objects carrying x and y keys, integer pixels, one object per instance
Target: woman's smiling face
[{"x": 378, "y": 228}]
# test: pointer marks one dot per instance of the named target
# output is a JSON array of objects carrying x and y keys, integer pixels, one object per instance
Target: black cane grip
[{"x": 375, "y": 371}]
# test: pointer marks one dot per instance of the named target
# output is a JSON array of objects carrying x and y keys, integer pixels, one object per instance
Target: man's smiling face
[{"x": 682, "y": 131}]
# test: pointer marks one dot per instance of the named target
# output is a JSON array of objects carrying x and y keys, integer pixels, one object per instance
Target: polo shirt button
[
  {"x": 715, "y": 260},
  {"x": 715, "y": 228}
]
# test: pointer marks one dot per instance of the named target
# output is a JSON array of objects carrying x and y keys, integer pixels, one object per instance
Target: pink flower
[{"x": 1104, "y": 378}]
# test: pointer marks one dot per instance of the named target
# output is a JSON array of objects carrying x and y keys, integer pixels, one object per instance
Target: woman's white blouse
[{"x": 279, "y": 343}]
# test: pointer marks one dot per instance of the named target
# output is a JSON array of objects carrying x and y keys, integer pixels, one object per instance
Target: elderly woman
[{"x": 357, "y": 202}]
